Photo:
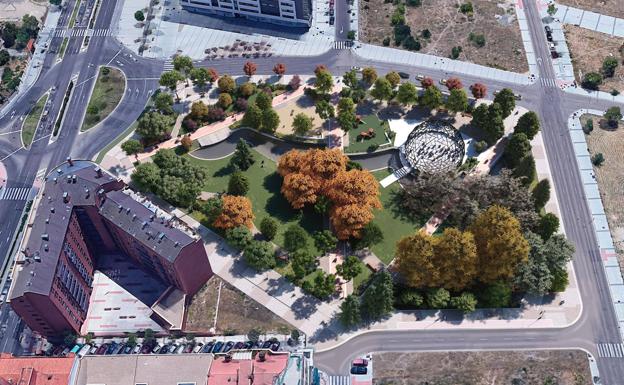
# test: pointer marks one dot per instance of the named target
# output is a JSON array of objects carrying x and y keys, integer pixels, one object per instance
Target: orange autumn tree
[
  {"x": 311, "y": 174},
  {"x": 236, "y": 211}
]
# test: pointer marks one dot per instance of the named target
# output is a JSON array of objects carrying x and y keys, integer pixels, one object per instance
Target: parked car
[
  {"x": 173, "y": 348},
  {"x": 93, "y": 349},
  {"x": 259, "y": 344},
  {"x": 111, "y": 348},
  {"x": 275, "y": 346},
  {"x": 119, "y": 348},
  {"x": 84, "y": 350},
  {"x": 127, "y": 349},
  {"x": 549, "y": 36},
  {"x": 404, "y": 75},
  {"x": 217, "y": 348},
  {"x": 248, "y": 345},
  {"x": 197, "y": 347},
  {"x": 331, "y": 12},
  {"x": 360, "y": 362},
  {"x": 102, "y": 349},
  {"x": 359, "y": 370},
  {"x": 160, "y": 349},
  {"x": 443, "y": 82},
  {"x": 146, "y": 349},
  {"x": 331, "y": 20},
  {"x": 420, "y": 77},
  {"x": 517, "y": 96},
  {"x": 137, "y": 349},
  {"x": 547, "y": 29},
  {"x": 266, "y": 345},
  {"x": 208, "y": 347},
  {"x": 228, "y": 346}
]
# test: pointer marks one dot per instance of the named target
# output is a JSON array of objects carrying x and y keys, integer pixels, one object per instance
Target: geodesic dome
[{"x": 432, "y": 147}]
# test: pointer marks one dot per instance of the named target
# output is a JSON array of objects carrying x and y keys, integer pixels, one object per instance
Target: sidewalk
[{"x": 594, "y": 202}]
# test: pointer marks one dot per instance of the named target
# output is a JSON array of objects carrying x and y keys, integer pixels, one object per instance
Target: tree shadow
[
  {"x": 223, "y": 171},
  {"x": 304, "y": 102}
]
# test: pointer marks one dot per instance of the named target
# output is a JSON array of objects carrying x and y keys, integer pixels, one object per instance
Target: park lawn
[
  {"x": 362, "y": 277},
  {"x": 107, "y": 93},
  {"x": 394, "y": 224},
  {"x": 362, "y": 145},
  {"x": 32, "y": 121},
  {"x": 264, "y": 193}
]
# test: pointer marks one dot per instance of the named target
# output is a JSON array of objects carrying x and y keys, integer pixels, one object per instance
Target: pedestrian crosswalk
[
  {"x": 546, "y": 82},
  {"x": 339, "y": 380},
  {"x": 345, "y": 44},
  {"x": 610, "y": 350},
  {"x": 168, "y": 65},
  {"x": 14, "y": 193},
  {"x": 76, "y": 32}
]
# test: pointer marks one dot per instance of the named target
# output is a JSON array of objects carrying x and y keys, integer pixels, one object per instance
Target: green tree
[
  {"x": 295, "y": 238},
  {"x": 350, "y": 311},
  {"x": 592, "y": 80},
  {"x": 541, "y": 194},
  {"x": 170, "y": 79},
  {"x": 302, "y": 263},
  {"x": 378, "y": 298},
  {"x": 270, "y": 121},
  {"x": 4, "y": 57},
  {"x": 164, "y": 103},
  {"x": 369, "y": 75},
  {"x": 495, "y": 295},
  {"x": 370, "y": 235},
  {"x": 325, "y": 240},
  {"x": 254, "y": 334},
  {"x": 225, "y": 100},
  {"x": 350, "y": 79},
  {"x": 431, "y": 98},
  {"x": 560, "y": 281},
  {"x": 322, "y": 286},
  {"x": 252, "y": 117},
  {"x": 350, "y": 268},
  {"x": 506, "y": 100},
  {"x": 551, "y": 10},
  {"x": 138, "y": 15},
  {"x": 489, "y": 120},
  {"x": 212, "y": 209},
  {"x": 324, "y": 81},
  {"x": 609, "y": 64},
  {"x": 382, "y": 89},
  {"x": 525, "y": 170},
  {"x": 148, "y": 336},
  {"x": 457, "y": 100},
  {"x": 466, "y": 302},
  {"x": 200, "y": 77},
  {"x": 613, "y": 116},
  {"x": 346, "y": 114},
  {"x": 268, "y": 228},
  {"x": 153, "y": 126},
  {"x": 146, "y": 176},
  {"x": 528, "y": 124},
  {"x": 410, "y": 298},
  {"x": 259, "y": 255},
  {"x": 264, "y": 101},
  {"x": 438, "y": 298},
  {"x": 226, "y": 84},
  {"x": 324, "y": 109},
  {"x": 55, "y": 2},
  {"x": 131, "y": 339},
  {"x": 302, "y": 124},
  {"x": 501, "y": 246},
  {"x": 238, "y": 184},
  {"x": 548, "y": 225},
  {"x": 239, "y": 237},
  {"x": 243, "y": 157},
  {"x": 394, "y": 78},
  {"x": 517, "y": 149},
  {"x": 407, "y": 94},
  {"x": 132, "y": 147}
]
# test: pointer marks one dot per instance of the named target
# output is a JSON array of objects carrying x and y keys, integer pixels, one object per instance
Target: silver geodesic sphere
[{"x": 432, "y": 147}]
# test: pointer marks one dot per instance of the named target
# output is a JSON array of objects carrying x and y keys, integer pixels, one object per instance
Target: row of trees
[
  {"x": 376, "y": 302},
  {"x": 320, "y": 177},
  {"x": 489, "y": 118},
  {"x": 17, "y": 37}
]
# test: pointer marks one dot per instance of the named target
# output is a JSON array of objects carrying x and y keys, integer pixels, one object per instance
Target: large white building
[{"x": 296, "y": 13}]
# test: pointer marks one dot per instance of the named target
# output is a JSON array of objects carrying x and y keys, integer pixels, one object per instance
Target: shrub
[
  {"x": 438, "y": 298},
  {"x": 466, "y": 302},
  {"x": 455, "y": 51},
  {"x": 410, "y": 298},
  {"x": 481, "y": 146},
  {"x": 268, "y": 228},
  {"x": 588, "y": 127},
  {"x": 478, "y": 39},
  {"x": 496, "y": 295},
  {"x": 466, "y": 8},
  {"x": 386, "y": 41},
  {"x": 598, "y": 159},
  {"x": 295, "y": 238},
  {"x": 238, "y": 237}
]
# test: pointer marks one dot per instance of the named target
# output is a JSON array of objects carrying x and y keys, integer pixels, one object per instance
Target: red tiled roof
[
  {"x": 35, "y": 370},
  {"x": 247, "y": 372}
]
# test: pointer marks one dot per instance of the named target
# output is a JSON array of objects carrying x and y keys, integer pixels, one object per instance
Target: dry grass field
[
  {"x": 605, "y": 7},
  {"x": 561, "y": 367},
  {"x": 494, "y": 19},
  {"x": 287, "y": 112},
  {"x": 589, "y": 49}
]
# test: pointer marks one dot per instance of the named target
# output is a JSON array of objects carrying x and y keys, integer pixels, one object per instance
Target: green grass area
[
  {"x": 107, "y": 93},
  {"x": 63, "y": 47},
  {"x": 356, "y": 144},
  {"x": 392, "y": 219},
  {"x": 264, "y": 193},
  {"x": 362, "y": 277},
  {"x": 32, "y": 121},
  {"x": 72, "y": 19}
]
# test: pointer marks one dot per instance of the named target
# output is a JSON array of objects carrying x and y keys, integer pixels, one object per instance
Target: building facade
[
  {"x": 297, "y": 13},
  {"x": 84, "y": 213}
]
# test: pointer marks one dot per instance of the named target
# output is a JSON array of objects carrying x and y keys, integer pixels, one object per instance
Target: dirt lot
[
  {"x": 589, "y": 49},
  {"x": 287, "y": 112},
  {"x": 605, "y": 7},
  {"x": 12, "y": 10},
  {"x": 482, "y": 368},
  {"x": 237, "y": 313},
  {"x": 495, "y": 19},
  {"x": 610, "y": 177}
]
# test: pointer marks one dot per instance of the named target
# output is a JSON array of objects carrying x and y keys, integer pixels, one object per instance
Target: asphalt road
[{"x": 597, "y": 323}]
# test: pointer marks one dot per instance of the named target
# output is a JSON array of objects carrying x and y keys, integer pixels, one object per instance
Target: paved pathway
[{"x": 590, "y": 20}]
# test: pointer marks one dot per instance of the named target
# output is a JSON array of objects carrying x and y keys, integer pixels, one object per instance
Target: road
[{"x": 597, "y": 323}]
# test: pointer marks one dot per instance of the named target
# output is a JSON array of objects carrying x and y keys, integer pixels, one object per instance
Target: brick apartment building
[
  {"x": 296, "y": 13},
  {"x": 85, "y": 213}
]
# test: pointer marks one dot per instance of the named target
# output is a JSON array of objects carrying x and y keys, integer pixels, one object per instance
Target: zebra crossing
[
  {"x": 168, "y": 65},
  {"x": 610, "y": 350},
  {"x": 14, "y": 193},
  {"x": 546, "y": 82},
  {"x": 76, "y": 32},
  {"x": 339, "y": 380},
  {"x": 343, "y": 44}
]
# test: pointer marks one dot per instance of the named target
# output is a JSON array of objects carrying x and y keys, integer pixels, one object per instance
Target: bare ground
[
  {"x": 287, "y": 112},
  {"x": 605, "y": 7},
  {"x": 495, "y": 19},
  {"x": 237, "y": 312},
  {"x": 589, "y": 48},
  {"x": 558, "y": 367},
  {"x": 610, "y": 177},
  {"x": 14, "y": 10}
]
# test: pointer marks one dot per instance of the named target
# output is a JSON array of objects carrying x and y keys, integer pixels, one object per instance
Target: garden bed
[
  {"x": 360, "y": 138},
  {"x": 32, "y": 121},
  {"x": 107, "y": 93}
]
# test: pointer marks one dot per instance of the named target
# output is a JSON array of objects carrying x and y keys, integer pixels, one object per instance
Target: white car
[
  {"x": 443, "y": 81},
  {"x": 356, "y": 68}
]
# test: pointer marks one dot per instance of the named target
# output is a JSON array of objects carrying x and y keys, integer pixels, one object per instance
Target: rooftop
[
  {"x": 247, "y": 371},
  {"x": 35, "y": 370}
]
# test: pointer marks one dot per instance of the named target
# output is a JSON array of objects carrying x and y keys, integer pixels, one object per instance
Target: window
[{"x": 186, "y": 383}]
